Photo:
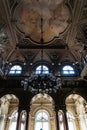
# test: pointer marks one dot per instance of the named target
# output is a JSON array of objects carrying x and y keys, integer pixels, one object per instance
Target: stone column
[
  {"x": 65, "y": 119},
  {"x": 27, "y": 120},
  {"x": 18, "y": 125},
  {"x": 57, "y": 118}
]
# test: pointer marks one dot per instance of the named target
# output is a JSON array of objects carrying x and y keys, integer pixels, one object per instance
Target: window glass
[
  {"x": 16, "y": 69},
  {"x": 71, "y": 122},
  {"x": 42, "y": 121},
  {"x": 68, "y": 70},
  {"x": 42, "y": 116},
  {"x": 42, "y": 69},
  {"x": 13, "y": 120}
]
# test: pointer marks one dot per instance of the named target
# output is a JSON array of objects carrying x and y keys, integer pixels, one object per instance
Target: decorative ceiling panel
[{"x": 28, "y": 16}]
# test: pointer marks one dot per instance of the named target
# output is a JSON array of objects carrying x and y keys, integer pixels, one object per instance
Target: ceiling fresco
[{"x": 28, "y": 16}]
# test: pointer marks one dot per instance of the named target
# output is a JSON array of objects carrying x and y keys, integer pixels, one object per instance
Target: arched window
[
  {"x": 16, "y": 69},
  {"x": 13, "y": 120},
  {"x": 42, "y": 69},
  {"x": 71, "y": 122},
  {"x": 68, "y": 70},
  {"x": 42, "y": 121}
]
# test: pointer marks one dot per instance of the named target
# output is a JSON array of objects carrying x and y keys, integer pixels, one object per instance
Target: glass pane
[
  {"x": 42, "y": 121},
  {"x": 22, "y": 126},
  {"x": 12, "y": 72},
  {"x": 38, "y": 126},
  {"x": 13, "y": 126},
  {"x": 16, "y": 69},
  {"x": 71, "y": 122},
  {"x": 68, "y": 70},
  {"x": 42, "y": 116},
  {"x": 42, "y": 126},
  {"x": 17, "y": 72},
  {"x": 67, "y": 67},
  {"x": 71, "y": 72},
  {"x": 42, "y": 69},
  {"x": 65, "y": 72}
]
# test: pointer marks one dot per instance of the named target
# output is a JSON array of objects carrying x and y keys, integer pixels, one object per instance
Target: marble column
[
  {"x": 18, "y": 125},
  {"x": 65, "y": 119},
  {"x": 27, "y": 120},
  {"x": 57, "y": 118}
]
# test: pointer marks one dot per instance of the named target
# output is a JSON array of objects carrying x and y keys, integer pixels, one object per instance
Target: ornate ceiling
[
  {"x": 28, "y": 16},
  {"x": 64, "y": 29}
]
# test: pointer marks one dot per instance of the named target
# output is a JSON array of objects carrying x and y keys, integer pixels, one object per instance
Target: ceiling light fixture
[{"x": 42, "y": 83}]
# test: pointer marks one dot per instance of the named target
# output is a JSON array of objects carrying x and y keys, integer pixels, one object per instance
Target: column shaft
[
  {"x": 65, "y": 121},
  {"x": 18, "y": 121},
  {"x": 27, "y": 120},
  {"x": 57, "y": 121}
]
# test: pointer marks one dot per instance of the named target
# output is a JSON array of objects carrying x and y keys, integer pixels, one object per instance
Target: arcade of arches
[{"x": 41, "y": 113}]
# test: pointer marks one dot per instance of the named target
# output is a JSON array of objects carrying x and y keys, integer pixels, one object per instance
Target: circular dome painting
[{"x": 28, "y": 16}]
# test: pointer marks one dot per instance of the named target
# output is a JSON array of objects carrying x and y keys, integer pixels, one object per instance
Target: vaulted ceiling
[{"x": 61, "y": 23}]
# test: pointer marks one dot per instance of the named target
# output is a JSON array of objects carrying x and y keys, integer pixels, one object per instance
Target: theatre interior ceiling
[{"x": 57, "y": 27}]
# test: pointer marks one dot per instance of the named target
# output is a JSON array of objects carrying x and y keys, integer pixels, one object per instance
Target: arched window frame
[
  {"x": 42, "y": 69},
  {"x": 68, "y": 70},
  {"x": 42, "y": 120},
  {"x": 15, "y": 69}
]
